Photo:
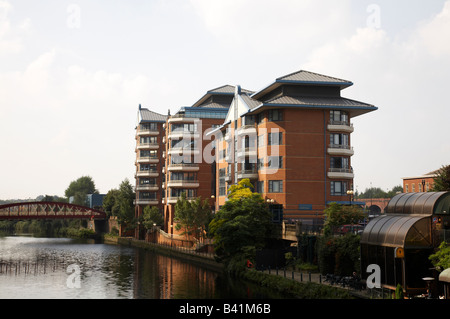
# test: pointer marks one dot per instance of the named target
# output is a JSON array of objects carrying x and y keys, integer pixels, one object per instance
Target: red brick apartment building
[{"x": 291, "y": 139}]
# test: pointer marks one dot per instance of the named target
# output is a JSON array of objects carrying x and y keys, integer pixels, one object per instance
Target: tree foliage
[
  {"x": 192, "y": 216},
  {"x": 120, "y": 203},
  {"x": 442, "y": 180},
  {"x": 242, "y": 224},
  {"x": 377, "y": 192},
  {"x": 441, "y": 258},
  {"x": 80, "y": 188},
  {"x": 338, "y": 215},
  {"x": 151, "y": 216}
]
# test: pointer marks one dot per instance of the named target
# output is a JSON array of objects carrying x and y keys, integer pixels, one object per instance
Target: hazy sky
[{"x": 72, "y": 74}]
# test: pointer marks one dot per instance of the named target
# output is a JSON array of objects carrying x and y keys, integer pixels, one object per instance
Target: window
[
  {"x": 261, "y": 140},
  {"x": 339, "y": 162},
  {"x": 149, "y": 167},
  {"x": 275, "y": 186},
  {"x": 149, "y": 127},
  {"x": 275, "y": 115},
  {"x": 275, "y": 138},
  {"x": 275, "y": 162},
  {"x": 338, "y": 188},
  {"x": 260, "y": 187},
  {"x": 339, "y": 139},
  {"x": 148, "y": 140},
  {"x": 248, "y": 120},
  {"x": 147, "y": 195},
  {"x": 260, "y": 163},
  {"x": 338, "y": 117},
  {"x": 147, "y": 181},
  {"x": 149, "y": 153}
]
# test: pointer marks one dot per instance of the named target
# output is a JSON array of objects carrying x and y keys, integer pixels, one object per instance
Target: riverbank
[
  {"x": 198, "y": 259},
  {"x": 297, "y": 289}
]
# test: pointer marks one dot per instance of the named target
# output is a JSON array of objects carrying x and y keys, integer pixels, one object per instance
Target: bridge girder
[{"x": 48, "y": 210}]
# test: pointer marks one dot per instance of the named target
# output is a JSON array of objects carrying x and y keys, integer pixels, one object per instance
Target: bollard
[
  {"x": 309, "y": 276},
  {"x": 301, "y": 276}
]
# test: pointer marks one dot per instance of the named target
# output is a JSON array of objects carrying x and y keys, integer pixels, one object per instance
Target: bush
[
  {"x": 302, "y": 290},
  {"x": 339, "y": 255}
]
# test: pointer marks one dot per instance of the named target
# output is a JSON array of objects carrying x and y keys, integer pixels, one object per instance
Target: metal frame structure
[{"x": 48, "y": 210}]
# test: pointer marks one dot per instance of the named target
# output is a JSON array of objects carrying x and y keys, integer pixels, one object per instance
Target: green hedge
[{"x": 302, "y": 290}]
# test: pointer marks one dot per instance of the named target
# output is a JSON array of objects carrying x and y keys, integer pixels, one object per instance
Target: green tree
[
  {"x": 80, "y": 188},
  {"x": 337, "y": 215},
  {"x": 242, "y": 225},
  {"x": 442, "y": 180},
  {"x": 111, "y": 203},
  {"x": 125, "y": 201},
  {"x": 151, "y": 216},
  {"x": 441, "y": 258},
  {"x": 192, "y": 216}
]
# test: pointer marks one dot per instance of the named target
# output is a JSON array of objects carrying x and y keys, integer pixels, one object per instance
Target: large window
[
  {"x": 275, "y": 162},
  {"x": 275, "y": 115},
  {"x": 275, "y": 138},
  {"x": 339, "y": 139},
  {"x": 148, "y": 140},
  {"x": 176, "y": 192},
  {"x": 148, "y": 167},
  {"x": 338, "y": 117},
  {"x": 185, "y": 127},
  {"x": 149, "y": 126},
  {"x": 149, "y": 153},
  {"x": 338, "y": 188},
  {"x": 275, "y": 186},
  {"x": 339, "y": 162}
]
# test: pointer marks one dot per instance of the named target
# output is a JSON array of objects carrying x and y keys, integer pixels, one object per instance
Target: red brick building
[
  {"x": 420, "y": 183},
  {"x": 292, "y": 139}
]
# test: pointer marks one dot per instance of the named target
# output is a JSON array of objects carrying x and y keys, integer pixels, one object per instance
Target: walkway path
[{"x": 319, "y": 279}]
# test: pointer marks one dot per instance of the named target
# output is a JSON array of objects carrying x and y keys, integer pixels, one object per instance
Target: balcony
[
  {"x": 183, "y": 183},
  {"x": 184, "y": 151},
  {"x": 180, "y": 134},
  {"x": 228, "y": 178},
  {"x": 173, "y": 200},
  {"x": 147, "y": 187},
  {"x": 340, "y": 126},
  {"x": 146, "y": 202},
  {"x": 148, "y": 146},
  {"x": 247, "y": 152},
  {"x": 248, "y": 173},
  {"x": 147, "y": 132},
  {"x": 148, "y": 159},
  {"x": 246, "y": 130},
  {"x": 342, "y": 173},
  {"x": 338, "y": 149},
  {"x": 183, "y": 167},
  {"x": 147, "y": 174},
  {"x": 180, "y": 119}
]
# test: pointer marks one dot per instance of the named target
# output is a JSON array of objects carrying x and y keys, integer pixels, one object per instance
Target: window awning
[{"x": 406, "y": 231}]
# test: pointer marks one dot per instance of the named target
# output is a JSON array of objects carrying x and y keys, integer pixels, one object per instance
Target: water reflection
[{"x": 37, "y": 268}]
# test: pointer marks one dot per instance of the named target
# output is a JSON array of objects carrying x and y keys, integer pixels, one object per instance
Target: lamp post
[
  {"x": 423, "y": 185},
  {"x": 350, "y": 194}
]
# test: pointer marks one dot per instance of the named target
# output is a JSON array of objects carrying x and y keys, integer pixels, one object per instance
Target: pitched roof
[
  {"x": 145, "y": 115},
  {"x": 227, "y": 90},
  {"x": 305, "y": 78},
  {"x": 310, "y": 77}
]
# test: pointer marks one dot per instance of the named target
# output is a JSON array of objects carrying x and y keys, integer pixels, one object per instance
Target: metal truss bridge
[{"x": 48, "y": 210}]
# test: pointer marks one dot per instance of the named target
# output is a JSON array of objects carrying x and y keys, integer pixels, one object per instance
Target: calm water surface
[{"x": 65, "y": 268}]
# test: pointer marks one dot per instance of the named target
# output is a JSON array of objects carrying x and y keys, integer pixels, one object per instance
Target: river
[{"x": 63, "y": 268}]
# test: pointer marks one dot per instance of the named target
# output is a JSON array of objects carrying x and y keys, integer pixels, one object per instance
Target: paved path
[{"x": 319, "y": 279}]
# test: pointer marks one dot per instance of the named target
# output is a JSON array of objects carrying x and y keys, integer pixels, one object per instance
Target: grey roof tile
[{"x": 150, "y": 116}]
